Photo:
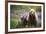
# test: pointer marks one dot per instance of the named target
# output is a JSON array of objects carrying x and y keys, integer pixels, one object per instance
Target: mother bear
[{"x": 32, "y": 18}]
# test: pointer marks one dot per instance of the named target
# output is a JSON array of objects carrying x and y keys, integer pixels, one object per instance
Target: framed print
[{"x": 25, "y": 17}]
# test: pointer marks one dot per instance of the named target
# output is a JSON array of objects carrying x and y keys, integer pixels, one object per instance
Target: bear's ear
[{"x": 32, "y": 10}]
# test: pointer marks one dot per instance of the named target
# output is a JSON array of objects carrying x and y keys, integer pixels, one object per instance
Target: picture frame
[{"x": 20, "y": 3}]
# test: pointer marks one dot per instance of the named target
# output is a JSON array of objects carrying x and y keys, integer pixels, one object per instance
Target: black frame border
[{"x": 6, "y": 16}]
